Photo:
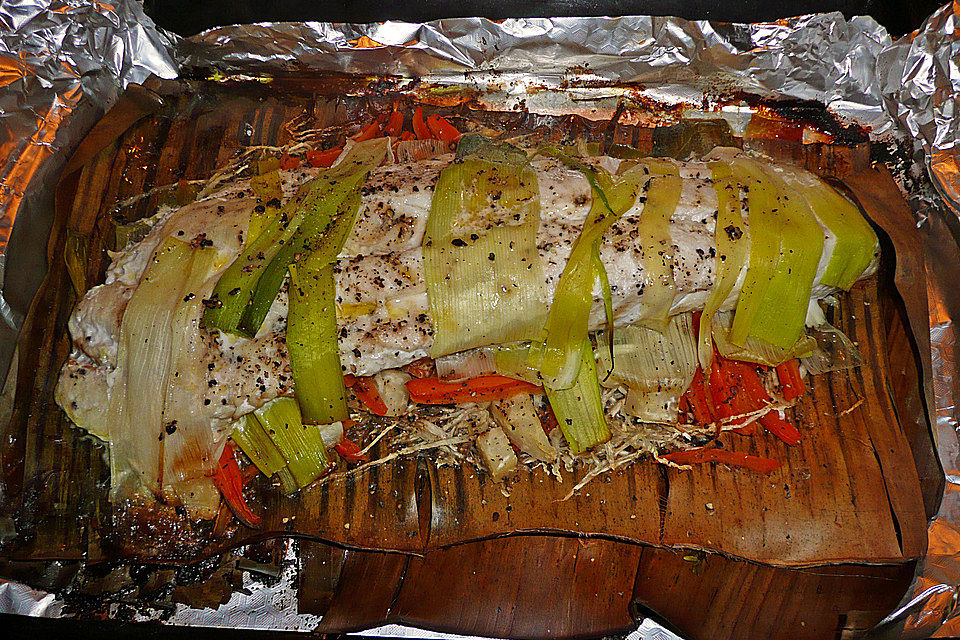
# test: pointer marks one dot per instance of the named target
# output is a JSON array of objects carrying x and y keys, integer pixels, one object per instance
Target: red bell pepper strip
[
  {"x": 369, "y": 132},
  {"x": 492, "y": 387},
  {"x": 791, "y": 384},
  {"x": 442, "y": 130},
  {"x": 288, "y": 162},
  {"x": 726, "y": 395},
  {"x": 349, "y": 380},
  {"x": 747, "y": 394},
  {"x": 406, "y": 135},
  {"x": 697, "y": 399},
  {"x": 731, "y": 458},
  {"x": 422, "y": 368},
  {"x": 230, "y": 483},
  {"x": 779, "y": 427},
  {"x": 366, "y": 391},
  {"x": 419, "y": 127},
  {"x": 394, "y": 125},
  {"x": 350, "y": 451},
  {"x": 324, "y": 158}
]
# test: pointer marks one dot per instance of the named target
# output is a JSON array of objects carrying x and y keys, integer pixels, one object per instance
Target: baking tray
[{"x": 461, "y": 554}]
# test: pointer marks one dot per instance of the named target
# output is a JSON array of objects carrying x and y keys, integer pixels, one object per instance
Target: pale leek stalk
[
  {"x": 755, "y": 349},
  {"x": 484, "y": 275},
  {"x": 656, "y": 366},
  {"x": 733, "y": 247},
  {"x": 579, "y": 408},
  {"x": 786, "y": 245},
  {"x": 135, "y": 416}
]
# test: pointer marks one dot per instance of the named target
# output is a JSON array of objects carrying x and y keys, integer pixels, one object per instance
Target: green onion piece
[
  {"x": 257, "y": 444},
  {"x": 299, "y": 443},
  {"x": 786, "y": 242},
  {"x": 733, "y": 250},
  {"x": 484, "y": 275},
  {"x": 312, "y": 344},
  {"x": 334, "y": 193},
  {"x": 855, "y": 245},
  {"x": 656, "y": 366},
  {"x": 755, "y": 349},
  {"x": 579, "y": 409}
]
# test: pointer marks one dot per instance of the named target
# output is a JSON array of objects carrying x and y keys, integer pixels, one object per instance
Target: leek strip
[
  {"x": 733, "y": 247},
  {"x": 662, "y": 197},
  {"x": 233, "y": 292},
  {"x": 135, "y": 416},
  {"x": 334, "y": 193},
  {"x": 558, "y": 353},
  {"x": 485, "y": 279},
  {"x": 312, "y": 344},
  {"x": 784, "y": 305},
  {"x": 755, "y": 349},
  {"x": 604, "y": 280},
  {"x": 785, "y": 248},
  {"x": 312, "y": 315},
  {"x": 856, "y": 243},
  {"x": 656, "y": 366},
  {"x": 256, "y": 443},
  {"x": 189, "y": 440},
  {"x": 328, "y": 200},
  {"x": 579, "y": 409},
  {"x": 299, "y": 443}
]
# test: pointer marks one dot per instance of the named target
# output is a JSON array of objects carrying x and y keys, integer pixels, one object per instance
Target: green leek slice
[
  {"x": 484, "y": 275},
  {"x": 557, "y": 355},
  {"x": 856, "y": 243},
  {"x": 300, "y": 444},
  {"x": 733, "y": 249},
  {"x": 312, "y": 344},
  {"x": 656, "y": 366},
  {"x": 334, "y": 193},
  {"x": 312, "y": 315},
  {"x": 257, "y": 444},
  {"x": 785, "y": 248},
  {"x": 579, "y": 409},
  {"x": 232, "y": 294}
]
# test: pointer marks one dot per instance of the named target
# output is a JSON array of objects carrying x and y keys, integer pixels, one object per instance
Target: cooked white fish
[{"x": 384, "y": 319}]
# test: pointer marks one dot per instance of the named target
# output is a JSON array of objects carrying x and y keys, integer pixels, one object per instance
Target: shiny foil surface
[{"x": 55, "y": 56}]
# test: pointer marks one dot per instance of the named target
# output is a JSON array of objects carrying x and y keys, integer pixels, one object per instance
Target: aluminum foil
[
  {"x": 57, "y": 57},
  {"x": 61, "y": 65},
  {"x": 821, "y": 57}
]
